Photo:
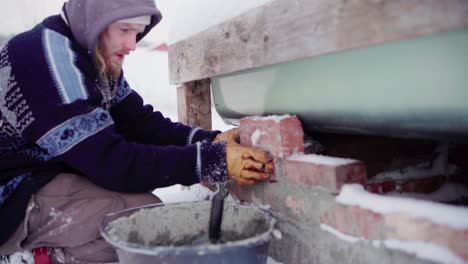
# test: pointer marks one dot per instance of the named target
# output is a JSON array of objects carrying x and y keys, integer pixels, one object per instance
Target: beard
[
  {"x": 114, "y": 68},
  {"x": 106, "y": 66}
]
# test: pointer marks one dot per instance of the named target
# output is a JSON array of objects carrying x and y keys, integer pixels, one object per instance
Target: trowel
[{"x": 216, "y": 214}]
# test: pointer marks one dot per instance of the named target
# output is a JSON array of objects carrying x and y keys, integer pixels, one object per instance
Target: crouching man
[{"x": 76, "y": 142}]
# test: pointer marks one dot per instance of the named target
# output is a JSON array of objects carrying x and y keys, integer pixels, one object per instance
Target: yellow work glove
[
  {"x": 248, "y": 165},
  {"x": 230, "y": 136}
]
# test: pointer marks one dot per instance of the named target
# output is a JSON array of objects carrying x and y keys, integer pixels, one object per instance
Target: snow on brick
[
  {"x": 329, "y": 173},
  {"x": 282, "y": 136},
  {"x": 375, "y": 217},
  {"x": 321, "y": 159},
  {"x": 453, "y": 216},
  {"x": 422, "y": 250},
  {"x": 354, "y": 221}
]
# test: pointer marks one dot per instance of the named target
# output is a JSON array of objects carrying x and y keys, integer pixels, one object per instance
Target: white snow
[
  {"x": 342, "y": 236},
  {"x": 425, "y": 251},
  {"x": 195, "y": 16},
  {"x": 270, "y": 260},
  {"x": 22, "y": 15},
  {"x": 276, "y": 118},
  {"x": 25, "y": 257},
  {"x": 422, "y": 250},
  {"x": 453, "y": 216},
  {"x": 178, "y": 193},
  {"x": 320, "y": 159},
  {"x": 256, "y": 136},
  {"x": 277, "y": 234}
]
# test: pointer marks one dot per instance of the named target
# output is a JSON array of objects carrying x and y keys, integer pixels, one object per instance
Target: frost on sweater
[{"x": 52, "y": 121}]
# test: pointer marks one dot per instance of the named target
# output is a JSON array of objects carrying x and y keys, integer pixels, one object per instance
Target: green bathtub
[{"x": 416, "y": 88}]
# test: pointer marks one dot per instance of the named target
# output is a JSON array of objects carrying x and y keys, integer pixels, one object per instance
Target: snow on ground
[
  {"x": 147, "y": 73},
  {"x": 20, "y": 15},
  {"x": 19, "y": 258}
]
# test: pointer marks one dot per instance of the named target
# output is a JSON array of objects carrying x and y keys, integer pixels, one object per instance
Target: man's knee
[{"x": 134, "y": 200}]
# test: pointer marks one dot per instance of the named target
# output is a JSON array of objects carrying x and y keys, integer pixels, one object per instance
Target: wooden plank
[
  {"x": 194, "y": 104},
  {"x": 285, "y": 30}
]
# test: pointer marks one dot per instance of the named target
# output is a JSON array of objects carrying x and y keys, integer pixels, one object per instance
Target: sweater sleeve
[
  {"x": 89, "y": 143},
  {"x": 63, "y": 117},
  {"x": 142, "y": 124}
]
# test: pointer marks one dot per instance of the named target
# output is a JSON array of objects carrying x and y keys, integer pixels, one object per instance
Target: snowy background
[{"x": 145, "y": 69}]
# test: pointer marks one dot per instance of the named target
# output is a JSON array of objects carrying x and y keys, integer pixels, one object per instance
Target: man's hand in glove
[
  {"x": 230, "y": 136},
  {"x": 247, "y": 165}
]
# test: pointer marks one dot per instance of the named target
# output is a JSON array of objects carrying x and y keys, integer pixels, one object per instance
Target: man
[{"x": 77, "y": 143}]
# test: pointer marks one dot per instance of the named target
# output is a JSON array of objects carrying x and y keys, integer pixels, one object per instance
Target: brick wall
[{"x": 302, "y": 198}]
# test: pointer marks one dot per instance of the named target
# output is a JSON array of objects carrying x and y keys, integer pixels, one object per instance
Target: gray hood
[{"x": 88, "y": 18}]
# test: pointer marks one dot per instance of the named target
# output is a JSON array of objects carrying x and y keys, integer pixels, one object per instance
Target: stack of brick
[
  {"x": 283, "y": 137},
  {"x": 378, "y": 218},
  {"x": 303, "y": 193}
]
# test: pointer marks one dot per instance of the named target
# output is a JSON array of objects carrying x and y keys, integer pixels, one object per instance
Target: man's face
[{"x": 116, "y": 42}]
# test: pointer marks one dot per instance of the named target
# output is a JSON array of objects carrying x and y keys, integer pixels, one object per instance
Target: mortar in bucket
[{"x": 178, "y": 233}]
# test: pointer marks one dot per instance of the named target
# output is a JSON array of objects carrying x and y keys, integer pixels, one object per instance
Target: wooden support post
[{"x": 194, "y": 103}]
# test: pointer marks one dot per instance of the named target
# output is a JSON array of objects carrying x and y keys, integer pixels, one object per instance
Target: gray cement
[{"x": 177, "y": 233}]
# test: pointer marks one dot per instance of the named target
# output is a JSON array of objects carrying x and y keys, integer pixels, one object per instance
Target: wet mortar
[{"x": 186, "y": 225}]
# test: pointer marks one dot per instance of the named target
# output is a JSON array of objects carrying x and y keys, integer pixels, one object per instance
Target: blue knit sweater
[{"x": 52, "y": 121}]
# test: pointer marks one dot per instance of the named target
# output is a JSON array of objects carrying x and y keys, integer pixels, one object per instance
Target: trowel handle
[{"x": 216, "y": 215}]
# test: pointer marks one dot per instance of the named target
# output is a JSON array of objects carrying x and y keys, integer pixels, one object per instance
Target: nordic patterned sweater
[{"x": 52, "y": 121}]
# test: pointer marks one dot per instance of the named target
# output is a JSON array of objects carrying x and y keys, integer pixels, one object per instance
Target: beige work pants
[{"x": 65, "y": 215}]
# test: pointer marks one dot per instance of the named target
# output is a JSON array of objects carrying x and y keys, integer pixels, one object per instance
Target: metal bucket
[{"x": 177, "y": 233}]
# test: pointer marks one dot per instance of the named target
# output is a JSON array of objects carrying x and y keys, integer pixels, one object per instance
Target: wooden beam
[
  {"x": 285, "y": 30},
  {"x": 194, "y": 103}
]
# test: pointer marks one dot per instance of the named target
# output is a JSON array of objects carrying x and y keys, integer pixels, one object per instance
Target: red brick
[
  {"x": 329, "y": 177},
  {"x": 381, "y": 186},
  {"x": 354, "y": 221},
  {"x": 282, "y": 136},
  {"x": 401, "y": 226}
]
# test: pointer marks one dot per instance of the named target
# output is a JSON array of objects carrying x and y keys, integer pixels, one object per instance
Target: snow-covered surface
[
  {"x": 320, "y": 159},
  {"x": 276, "y": 118},
  {"x": 422, "y": 250},
  {"x": 203, "y": 14},
  {"x": 25, "y": 257},
  {"x": 425, "y": 251},
  {"x": 448, "y": 192},
  {"x": 178, "y": 193},
  {"x": 453, "y": 216},
  {"x": 341, "y": 236},
  {"x": 256, "y": 136},
  {"x": 270, "y": 260}
]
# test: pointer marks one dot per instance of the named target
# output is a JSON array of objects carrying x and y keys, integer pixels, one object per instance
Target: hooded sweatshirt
[{"x": 52, "y": 120}]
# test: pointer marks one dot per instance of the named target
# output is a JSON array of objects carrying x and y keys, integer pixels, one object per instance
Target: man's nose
[{"x": 130, "y": 44}]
